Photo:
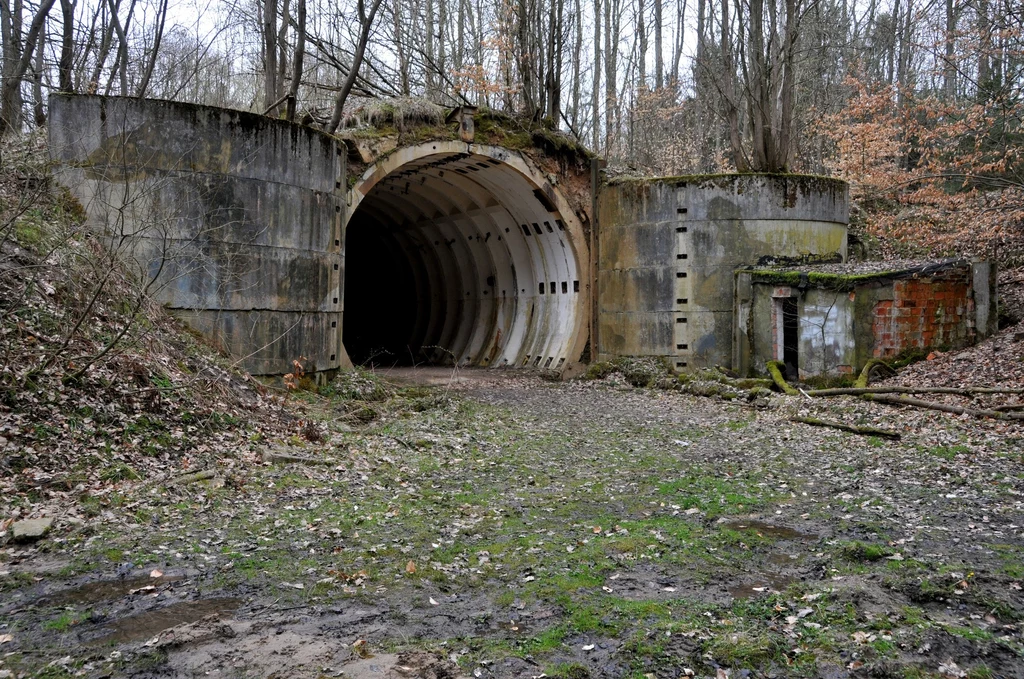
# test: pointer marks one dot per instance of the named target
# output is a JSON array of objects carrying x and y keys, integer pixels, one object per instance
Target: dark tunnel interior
[{"x": 458, "y": 258}]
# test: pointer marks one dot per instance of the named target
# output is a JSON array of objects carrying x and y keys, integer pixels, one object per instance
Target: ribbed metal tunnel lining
[{"x": 479, "y": 266}]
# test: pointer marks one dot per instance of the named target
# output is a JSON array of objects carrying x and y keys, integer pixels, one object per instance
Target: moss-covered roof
[
  {"x": 726, "y": 179},
  {"x": 847, "y": 276}
]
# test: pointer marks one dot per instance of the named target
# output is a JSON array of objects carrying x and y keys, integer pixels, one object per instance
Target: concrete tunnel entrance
[{"x": 463, "y": 254}]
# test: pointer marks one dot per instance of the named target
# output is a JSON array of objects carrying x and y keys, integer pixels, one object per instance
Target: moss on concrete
[
  {"x": 815, "y": 183},
  {"x": 827, "y": 281}
]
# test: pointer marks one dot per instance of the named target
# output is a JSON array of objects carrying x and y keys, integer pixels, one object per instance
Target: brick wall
[{"x": 925, "y": 313}]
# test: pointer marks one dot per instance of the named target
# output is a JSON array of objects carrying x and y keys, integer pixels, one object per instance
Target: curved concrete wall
[
  {"x": 668, "y": 249},
  {"x": 500, "y": 260},
  {"x": 234, "y": 216}
]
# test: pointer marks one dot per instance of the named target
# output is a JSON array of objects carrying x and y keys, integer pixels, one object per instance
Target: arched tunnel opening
[{"x": 458, "y": 258}]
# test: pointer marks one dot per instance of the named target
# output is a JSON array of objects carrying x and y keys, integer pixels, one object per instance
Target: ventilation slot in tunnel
[{"x": 423, "y": 271}]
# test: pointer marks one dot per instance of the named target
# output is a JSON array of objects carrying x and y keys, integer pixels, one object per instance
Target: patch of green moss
[
  {"x": 827, "y": 281},
  {"x": 808, "y": 182}
]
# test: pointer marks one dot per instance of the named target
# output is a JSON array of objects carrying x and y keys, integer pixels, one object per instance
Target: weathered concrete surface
[
  {"x": 235, "y": 217},
  {"x": 31, "y": 529},
  {"x": 845, "y": 320},
  {"x": 667, "y": 249}
]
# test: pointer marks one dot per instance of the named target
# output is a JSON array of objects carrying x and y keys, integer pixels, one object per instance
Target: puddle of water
[
  {"x": 149, "y": 624},
  {"x": 103, "y": 590},
  {"x": 779, "y": 559},
  {"x": 514, "y": 627},
  {"x": 774, "y": 583},
  {"x": 768, "y": 530}
]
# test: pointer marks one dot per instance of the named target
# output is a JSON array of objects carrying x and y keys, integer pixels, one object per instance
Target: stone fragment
[{"x": 28, "y": 530}]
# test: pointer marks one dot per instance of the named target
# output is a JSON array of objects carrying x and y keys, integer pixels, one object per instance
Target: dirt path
[{"x": 497, "y": 526}]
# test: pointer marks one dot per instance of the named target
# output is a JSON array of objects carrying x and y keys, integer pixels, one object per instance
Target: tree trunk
[
  {"x": 430, "y": 65},
  {"x": 732, "y": 115},
  {"x": 641, "y": 33},
  {"x": 984, "y": 48},
  {"x": 365, "y": 24},
  {"x": 67, "y": 46},
  {"x": 784, "y": 147},
  {"x": 595, "y": 98},
  {"x": 282, "y": 51},
  {"x": 659, "y": 64},
  {"x": 15, "y": 70},
  {"x": 949, "y": 68},
  {"x": 38, "y": 106},
  {"x": 297, "y": 59},
  {"x": 269, "y": 20},
  {"x": 401, "y": 49},
  {"x": 577, "y": 53},
  {"x": 104, "y": 51},
  {"x": 155, "y": 51},
  {"x": 680, "y": 35}
]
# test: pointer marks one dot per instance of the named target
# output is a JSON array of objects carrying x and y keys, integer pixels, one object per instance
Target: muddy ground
[{"x": 504, "y": 526}]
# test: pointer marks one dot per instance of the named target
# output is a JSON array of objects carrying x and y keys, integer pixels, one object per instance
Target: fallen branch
[
  {"x": 865, "y": 373},
  {"x": 284, "y": 458},
  {"x": 166, "y": 479},
  {"x": 852, "y": 428},
  {"x": 942, "y": 407},
  {"x": 192, "y": 478},
  {"x": 775, "y": 369},
  {"x": 960, "y": 391}
]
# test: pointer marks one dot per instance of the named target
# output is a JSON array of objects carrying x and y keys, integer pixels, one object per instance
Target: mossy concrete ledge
[
  {"x": 234, "y": 217},
  {"x": 667, "y": 248}
]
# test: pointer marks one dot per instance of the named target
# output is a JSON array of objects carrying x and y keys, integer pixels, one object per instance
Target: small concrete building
[
  {"x": 833, "y": 318},
  {"x": 667, "y": 248}
]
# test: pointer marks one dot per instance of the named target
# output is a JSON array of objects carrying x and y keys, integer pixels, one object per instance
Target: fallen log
[
  {"x": 285, "y": 458},
  {"x": 192, "y": 478},
  {"x": 942, "y": 407},
  {"x": 852, "y": 428},
  {"x": 775, "y": 369},
  {"x": 865, "y": 373},
  {"x": 959, "y": 391}
]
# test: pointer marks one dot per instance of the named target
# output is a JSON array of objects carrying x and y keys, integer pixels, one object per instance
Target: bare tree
[
  {"x": 18, "y": 51},
  {"x": 365, "y": 25}
]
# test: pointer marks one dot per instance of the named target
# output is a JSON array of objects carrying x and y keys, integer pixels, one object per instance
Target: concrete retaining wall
[
  {"x": 667, "y": 249},
  {"x": 235, "y": 217}
]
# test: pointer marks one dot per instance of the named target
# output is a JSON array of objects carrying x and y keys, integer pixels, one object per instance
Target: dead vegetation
[{"x": 99, "y": 387}]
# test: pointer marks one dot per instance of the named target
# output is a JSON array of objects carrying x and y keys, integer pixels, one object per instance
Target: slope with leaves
[
  {"x": 98, "y": 386},
  {"x": 934, "y": 177}
]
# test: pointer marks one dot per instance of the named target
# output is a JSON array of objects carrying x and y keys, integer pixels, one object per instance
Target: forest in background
[{"x": 918, "y": 104}]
